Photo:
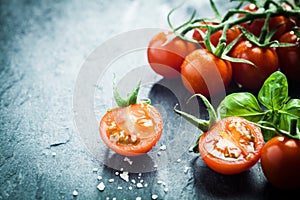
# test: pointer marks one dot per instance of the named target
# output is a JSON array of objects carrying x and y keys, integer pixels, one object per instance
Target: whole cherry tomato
[
  {"x": 280, "y": 162},
  {"x": 166, "y": 59},
  {"x": 289, "y": 57},
  {"x": 264, "y": 59},
  {"x": 231, "y": 34},
  {"x": 233, "y": 145},
  {"x": 131, "y": 130},
  {"x": 204, "y": 73},
  {"x": 256, "y": 25}
]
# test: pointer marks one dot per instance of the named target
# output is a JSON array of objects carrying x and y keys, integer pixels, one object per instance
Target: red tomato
[
  {"x": 233, "y": 145},
  {"x": 167, "y": 59},
  {"x": 204, "y": 73},
  {"x": 255, "y": 26},
  {"x": 131, "y": 130},
  {"x": 289, "y": 57},
  {"x": 280, "y": 162},
  {"x": 231, "y": 34},
  {"x": 265, "y": 60}
]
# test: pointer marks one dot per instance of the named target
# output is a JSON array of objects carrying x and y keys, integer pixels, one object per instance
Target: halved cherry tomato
[
  {"x": 131, "y": 130},
  {"x": 289, "y": 57},
  {"x": 265, "y": 60},
  {"x": 166, "y": 59},
  {"x": 233, "y": 145},
  {"x": 204, "y": 73},
  {"x": 280, "y": 162}
]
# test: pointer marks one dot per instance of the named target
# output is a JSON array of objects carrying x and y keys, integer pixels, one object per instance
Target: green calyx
[{"x": 131, "y": 97}]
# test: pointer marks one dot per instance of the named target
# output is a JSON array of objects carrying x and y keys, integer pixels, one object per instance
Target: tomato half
[
  {"x": 233, "y": 145},
  {"x": 166, "y": 59},
  {"x": 265, "y": 60},
  {"x": 131, "y": 130},
  {"x": 289, "y": 57},
  {"x": 280, "y": 162},
  {"x": 204, "y": 73}
]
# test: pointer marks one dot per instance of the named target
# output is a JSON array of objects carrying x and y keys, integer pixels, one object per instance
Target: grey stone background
[{"x": 43, "y": 46}]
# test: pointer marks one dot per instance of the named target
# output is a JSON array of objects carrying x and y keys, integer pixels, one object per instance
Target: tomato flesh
[
  {"x": 280, "y": 162},
  {"x": 231, "y": 146},
  {"x": 131, "y": 130}
]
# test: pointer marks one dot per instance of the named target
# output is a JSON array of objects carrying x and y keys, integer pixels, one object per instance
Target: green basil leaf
[
  {"x": 292, "y": 107},
  {"x": 274, "y": 92},
  {"x": 243, "y": 104}
]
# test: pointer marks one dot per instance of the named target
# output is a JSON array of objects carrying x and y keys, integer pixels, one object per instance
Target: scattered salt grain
[
  {"x": 186, "y": 169},
  {"x": 138, "y": 198},
  {"x": 111, "y": 180},
  {"x": 75, "y": 193},
  {"x": 126, "y": 159},
  {"x": 53, "y": 154},
  {"x": 101, "y": 186},
  {"x": 166, "y": 190},
  {"x": 99, "y": 178},
  {"x": 95, "y": 169},
  {"x": 120, "y": 188},
  {"x": 139, "y": 185},
  {"x": 130, "y": 187},
  {"x": 124, "y": 176},
  {"x": 163, "y": 147},
  {"x": 159, "y": 153},
  {"x": 154, "y": 196},
  {"x": 117, "y": 173},
  {"x": 179, "y": 160}
]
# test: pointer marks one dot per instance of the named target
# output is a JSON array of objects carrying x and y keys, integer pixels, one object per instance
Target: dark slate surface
[{"x": 42, "y": 155}]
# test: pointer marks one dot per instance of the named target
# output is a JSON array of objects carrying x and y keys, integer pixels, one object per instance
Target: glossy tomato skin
[
  {"x": 231, "y": 34},
  {"x": 280, "y": 162},
  {"x": 289, "y": 57},
  {"x": 217, "y": 146},
  {"x": 265, "y": 60},
  {"x": 256, "y": 26},
  {"x": 166, "y": 59},
  {"x": 133, "y": 130},
  {"x": 204, "y": 73}
]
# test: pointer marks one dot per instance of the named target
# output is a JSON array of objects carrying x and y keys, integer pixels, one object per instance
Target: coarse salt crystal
[
  {"x": 139, "y": 185},
  {"x": 138, "y": 198},
  {"x": 116, "y": 173},
  {"x": 124, "y": 176},
  {"x": 75, "y": 193},
  {"x": 166, "y": 189},
  {"x": 120, "y": 188},
  {"x": 111, "y": 180},
  {"x": 154, "y": 196},
  {"x": 99, "y": 178},
  {"x": 95, "y": 169},
  {"x": 101, "y": 186},
  {"x": 163, "y": 147}
]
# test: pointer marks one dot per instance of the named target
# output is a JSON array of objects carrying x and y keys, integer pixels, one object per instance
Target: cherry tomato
[
  {"x": 204, "y": 73},
  {"x": 280, "y": 162},
  {"x": 289, "y": 57},
  {"x": 166, "y": 59},
  {"x": 131, "y": 130},
  {"x": 231, "y": 34},
  {"x": 233, "y": 145},
  {"x": 265, "y": 60},
  {"x": 255, "y": 26}
]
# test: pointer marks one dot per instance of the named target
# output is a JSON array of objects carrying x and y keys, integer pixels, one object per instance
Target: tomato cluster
[{"x": 251, "y": 57}]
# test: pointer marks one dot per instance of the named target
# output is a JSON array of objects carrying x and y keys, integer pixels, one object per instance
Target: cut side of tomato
[
  {"x": 131, "y": 130},
  {"x": 231, "y": 146}
]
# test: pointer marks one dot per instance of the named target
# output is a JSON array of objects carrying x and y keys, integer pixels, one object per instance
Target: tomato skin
[
  {"x": 230, "y": 166},
  {"x": 280, "y": 162},
  {"x": 256, "y": 26},
  {"x": 265, "y": 60},
  {"x": 289, "y": 57},
  {"x": 167, "y": 59},
  {"x": 204, "y": 73},
  {"x": 127, "y": 118},
  {"x": 231, "y": 34}
]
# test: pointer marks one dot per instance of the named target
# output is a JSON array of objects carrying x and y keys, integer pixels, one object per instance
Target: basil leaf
[
  {"x": 243, "y": 104},
  {"x": 292, "y": 107},
  {"x": 274, "y": 92}
]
